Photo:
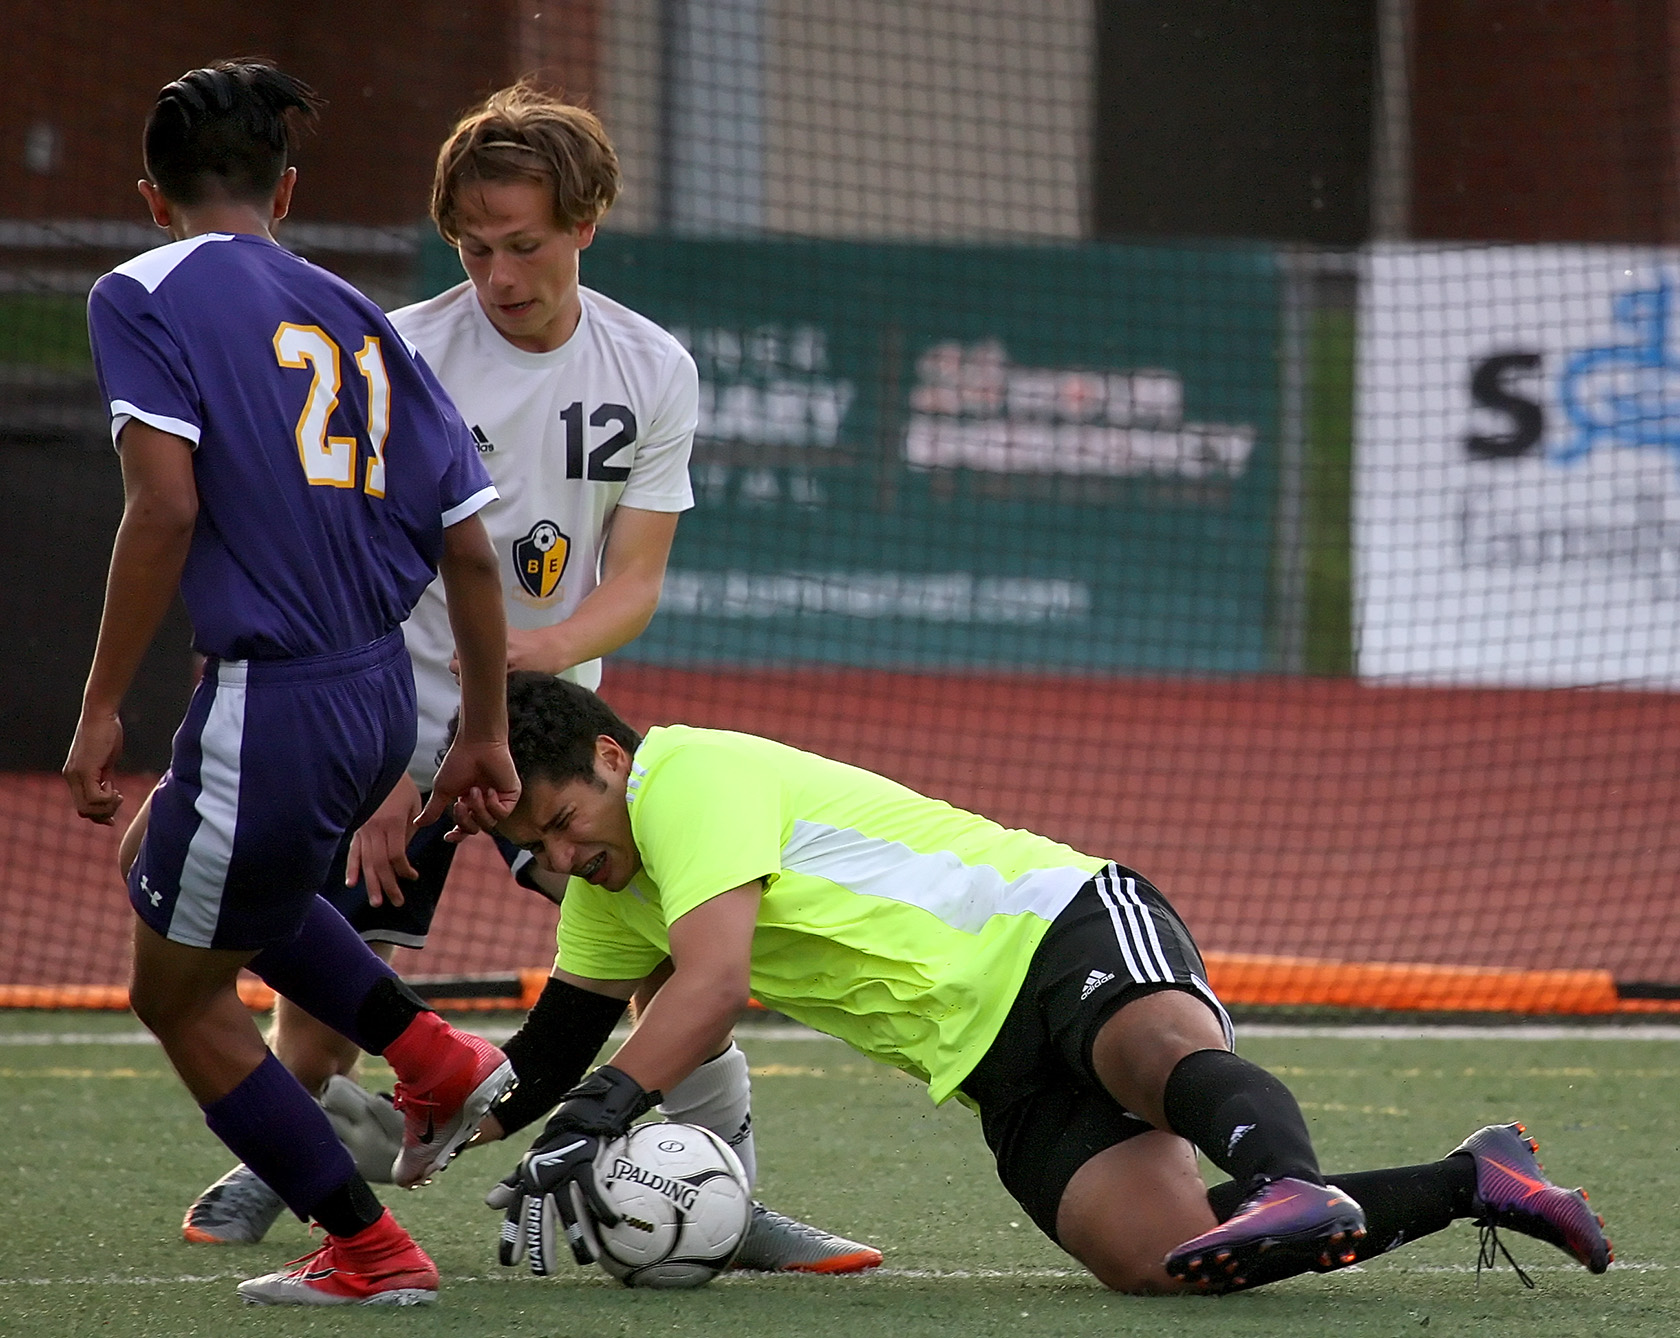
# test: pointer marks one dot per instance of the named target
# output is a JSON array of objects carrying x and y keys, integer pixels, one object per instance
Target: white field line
[
  {"x": 786, "y": 1032},
  {"x": 747, "y": 1279}
]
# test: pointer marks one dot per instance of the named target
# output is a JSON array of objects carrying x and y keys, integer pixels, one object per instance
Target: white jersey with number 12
[{"x": 605, "y": 420}]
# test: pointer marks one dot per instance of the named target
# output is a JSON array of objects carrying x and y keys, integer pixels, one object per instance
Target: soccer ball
[{"x": 683, "y": 1203}]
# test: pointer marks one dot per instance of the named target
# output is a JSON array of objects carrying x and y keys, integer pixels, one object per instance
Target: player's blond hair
[{"x": 523, "y": 133}]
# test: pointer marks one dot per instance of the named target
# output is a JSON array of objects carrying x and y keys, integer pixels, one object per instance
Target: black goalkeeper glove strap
[{"x": 607, "y": 1102}]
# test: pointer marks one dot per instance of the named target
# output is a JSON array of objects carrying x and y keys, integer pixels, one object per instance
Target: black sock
[
  {"x": 1243, "y": 1119},
  {"x": 1401, "y": 1203},
  {"x": 350, "y": 1208},
  {"x": 386, "y": 1012}
]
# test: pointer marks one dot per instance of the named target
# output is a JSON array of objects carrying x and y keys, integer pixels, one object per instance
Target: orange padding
[
  {"x": 1243, "y": 978},
  {"x": 1238, "y": 978},
  {"x": 531, "y": 983},
  {"x": 253, "y": 993}
]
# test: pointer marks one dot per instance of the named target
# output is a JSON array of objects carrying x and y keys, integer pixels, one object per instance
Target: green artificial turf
[{"x": 106, "y": 1150}]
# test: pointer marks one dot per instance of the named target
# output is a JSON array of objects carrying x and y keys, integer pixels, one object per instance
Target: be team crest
[{"x": 540, "y": 559}]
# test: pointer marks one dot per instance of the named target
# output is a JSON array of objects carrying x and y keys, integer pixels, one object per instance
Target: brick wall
[
  {"x": 395, "y": 72},
  {"x": 1535, "y": 120}
]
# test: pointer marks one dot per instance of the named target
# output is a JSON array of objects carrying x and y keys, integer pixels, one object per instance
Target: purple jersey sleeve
[
  {"x": 141, "y": 369},
  {"x": 466, "y": 486}
]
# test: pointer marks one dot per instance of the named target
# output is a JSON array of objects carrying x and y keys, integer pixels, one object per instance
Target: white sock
[{"x": 718, "y": 1096}]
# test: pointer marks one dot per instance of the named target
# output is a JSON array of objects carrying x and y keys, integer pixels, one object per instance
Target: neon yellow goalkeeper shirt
[{"x": 895, "y": 922}]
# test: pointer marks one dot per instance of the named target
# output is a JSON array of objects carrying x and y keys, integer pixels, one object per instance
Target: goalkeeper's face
[{"x": 580, "y": 828}]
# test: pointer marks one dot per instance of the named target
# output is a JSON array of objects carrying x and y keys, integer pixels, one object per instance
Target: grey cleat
[
  {"x": 776, "y": 1243},
  {"x": 237, "y": 1210}
]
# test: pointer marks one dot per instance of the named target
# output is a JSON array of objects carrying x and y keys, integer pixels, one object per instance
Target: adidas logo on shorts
[{"x": 1095, "y": 981}]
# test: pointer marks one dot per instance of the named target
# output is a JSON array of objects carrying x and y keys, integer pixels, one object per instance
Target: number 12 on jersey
[
  {"x": 331, "y": 461},
  {"x": 600, "y": 469}
]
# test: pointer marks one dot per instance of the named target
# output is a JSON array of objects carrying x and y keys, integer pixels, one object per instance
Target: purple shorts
[{"x": 276, "y": 762}]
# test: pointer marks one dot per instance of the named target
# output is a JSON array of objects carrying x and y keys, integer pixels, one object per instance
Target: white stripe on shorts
[
  {"x": 1140, "y": 944},
  {"x": 204, "y": 872},
  {"x": 1134, "y": 930},
  {"x": 1144, "y": 914}
]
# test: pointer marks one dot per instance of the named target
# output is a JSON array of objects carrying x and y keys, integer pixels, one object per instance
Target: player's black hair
[
  {"x": 226, "y": 129},
  {"x": 553, "y": 725}
]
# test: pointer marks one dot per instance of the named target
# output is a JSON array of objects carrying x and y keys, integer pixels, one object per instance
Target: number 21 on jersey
[{"x": 331, "y": 461}]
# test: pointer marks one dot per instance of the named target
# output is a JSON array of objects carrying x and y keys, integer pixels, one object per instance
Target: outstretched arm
[
  {"x": 556, "y": 1043},
  {"x": 686, "y": 1023},
  {"x": 160, "y": 508},
  {"x": 477, "y": 768},
  {"x": 691, "y": 1016}
]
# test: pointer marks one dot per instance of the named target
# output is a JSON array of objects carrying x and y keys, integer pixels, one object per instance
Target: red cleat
[
  {"x": 438, "y": 1119},
  {"x": 379, "y": 1266}
]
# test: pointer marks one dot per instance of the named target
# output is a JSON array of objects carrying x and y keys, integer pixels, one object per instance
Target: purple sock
[
  {"x": 327, "y": 971},
  {"x": 273, "y": 1126}
]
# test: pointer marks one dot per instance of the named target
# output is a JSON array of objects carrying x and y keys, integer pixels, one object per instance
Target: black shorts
[
  {"x": 1042, "y": 1109},
  {"x": 407, "y": 925}
]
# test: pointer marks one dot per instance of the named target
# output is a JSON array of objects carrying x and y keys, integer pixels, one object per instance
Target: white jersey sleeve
[{"x": 659, "y": 479}]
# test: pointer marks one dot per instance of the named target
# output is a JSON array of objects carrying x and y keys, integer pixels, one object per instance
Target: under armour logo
[
  {"x": 145, "y": 887},
  {"x": 1095, "y": 981},
  {"x": 1237, "y": 1137}
]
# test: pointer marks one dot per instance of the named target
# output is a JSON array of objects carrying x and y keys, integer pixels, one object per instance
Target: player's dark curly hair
[
  {"x": 553, "y": 725},
  {"x": 226, "y": 130}
]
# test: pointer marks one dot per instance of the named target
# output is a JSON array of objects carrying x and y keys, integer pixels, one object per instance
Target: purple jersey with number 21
[{"x": 328, "y": 459}]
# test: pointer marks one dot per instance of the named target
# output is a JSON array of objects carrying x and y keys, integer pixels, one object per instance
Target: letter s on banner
[{"x": 1489, "y": 388}]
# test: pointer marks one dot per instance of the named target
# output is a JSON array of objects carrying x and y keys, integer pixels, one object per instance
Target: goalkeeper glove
[{"x": 553, "y": 1188}]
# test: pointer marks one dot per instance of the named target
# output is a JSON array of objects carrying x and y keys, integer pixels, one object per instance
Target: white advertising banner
[{"x": 1517, "y": 466}]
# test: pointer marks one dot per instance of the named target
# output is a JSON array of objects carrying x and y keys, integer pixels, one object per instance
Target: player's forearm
[
  {"x": 560, "y": 1036},
  {"x": 612, "y": 615},
  {"x": 146, "y": 561},
  {"x": 473, "y": 589},
  {"x": 686, "y": 1023},
  {"x": 481, "y": 640}
]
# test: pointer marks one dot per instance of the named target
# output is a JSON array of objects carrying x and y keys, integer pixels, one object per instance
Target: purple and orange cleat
[
  {"x": 1513, "y": 1192},
  {"x": 1286, "y": 1227}
]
